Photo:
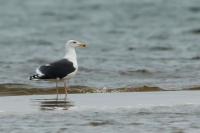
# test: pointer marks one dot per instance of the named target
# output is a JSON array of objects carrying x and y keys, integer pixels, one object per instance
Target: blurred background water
[{"x": 131, "y": 42}]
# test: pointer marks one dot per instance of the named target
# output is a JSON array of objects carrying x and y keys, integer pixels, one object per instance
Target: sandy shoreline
[{"x": 23, "y": 89}]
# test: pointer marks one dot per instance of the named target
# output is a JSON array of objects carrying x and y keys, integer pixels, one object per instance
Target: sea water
[{"x": 130, "y": 42}]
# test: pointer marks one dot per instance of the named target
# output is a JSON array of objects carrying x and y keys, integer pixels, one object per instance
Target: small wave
[
  {"x": 131, "y": 72},
  {"x": 131, "y": 48},
  {"x": 148, "y": 109},
  {"x": 195, "y": 31},
  {"x": 114, "y": 32},
  {"x": 161, "y": 48},
  {"x": 154, "y": 48},
  {"x": 37, "y": 60},
  {"x": 40, "y": 42},
  {"x": 48, "y": 13},
  {"x": 139, "y": 89},
  {"x": 194, "y": 9},
  {"x": 161, "y": 36},
  {"x": 101, "y": 123},
  {"x": 84, "y": 69},
  {"x": 195, "y": 58},
  {"x": 60, "y": 16}
]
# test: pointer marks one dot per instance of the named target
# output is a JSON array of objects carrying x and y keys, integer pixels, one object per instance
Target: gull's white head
[
  {"x": 70, "y": 50},
  {"x": 75, "y": 44}
]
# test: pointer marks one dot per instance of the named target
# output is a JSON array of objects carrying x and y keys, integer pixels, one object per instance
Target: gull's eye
[{"x": 74, "y": 42}]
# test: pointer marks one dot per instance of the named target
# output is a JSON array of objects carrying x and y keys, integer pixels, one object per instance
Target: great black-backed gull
[{"x": 61, "y": 70}]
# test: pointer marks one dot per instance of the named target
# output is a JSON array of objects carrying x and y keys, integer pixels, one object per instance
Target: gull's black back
[{"x": 58, "y": 69}]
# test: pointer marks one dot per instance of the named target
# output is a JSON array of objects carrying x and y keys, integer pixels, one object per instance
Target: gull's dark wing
[{"x": 58, "y": 69}]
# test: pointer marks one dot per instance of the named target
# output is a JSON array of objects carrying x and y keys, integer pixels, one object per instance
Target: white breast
[
  {"x": 75, "y": 64},
  {"x": 71, "y": 56},
  {"x": 71, "y": 75}
]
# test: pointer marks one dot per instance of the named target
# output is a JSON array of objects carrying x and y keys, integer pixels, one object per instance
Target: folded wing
[{"x": 58, "y": 69}]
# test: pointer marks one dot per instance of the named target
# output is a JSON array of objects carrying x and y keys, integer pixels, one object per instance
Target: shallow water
[
  {"x": 131, "y": 42},
  {"x": 154, "y": 112}
]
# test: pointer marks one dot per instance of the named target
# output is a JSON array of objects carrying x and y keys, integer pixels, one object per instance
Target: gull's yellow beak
[{"x": 82, "y": 45}]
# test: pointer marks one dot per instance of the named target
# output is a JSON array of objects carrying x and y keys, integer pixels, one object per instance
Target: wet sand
[
  {"x": 25, "y": 98},
  {"x": 35, "y": 103},
  {"x": 23, "y": 89},
  {"x": 160, "y": 111}
]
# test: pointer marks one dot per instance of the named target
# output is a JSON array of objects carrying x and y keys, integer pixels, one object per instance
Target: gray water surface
[{"x": 131, "y": 42}]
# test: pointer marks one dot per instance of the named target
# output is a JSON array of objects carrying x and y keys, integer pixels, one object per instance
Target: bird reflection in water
[{"x": 54, "y": 104}]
